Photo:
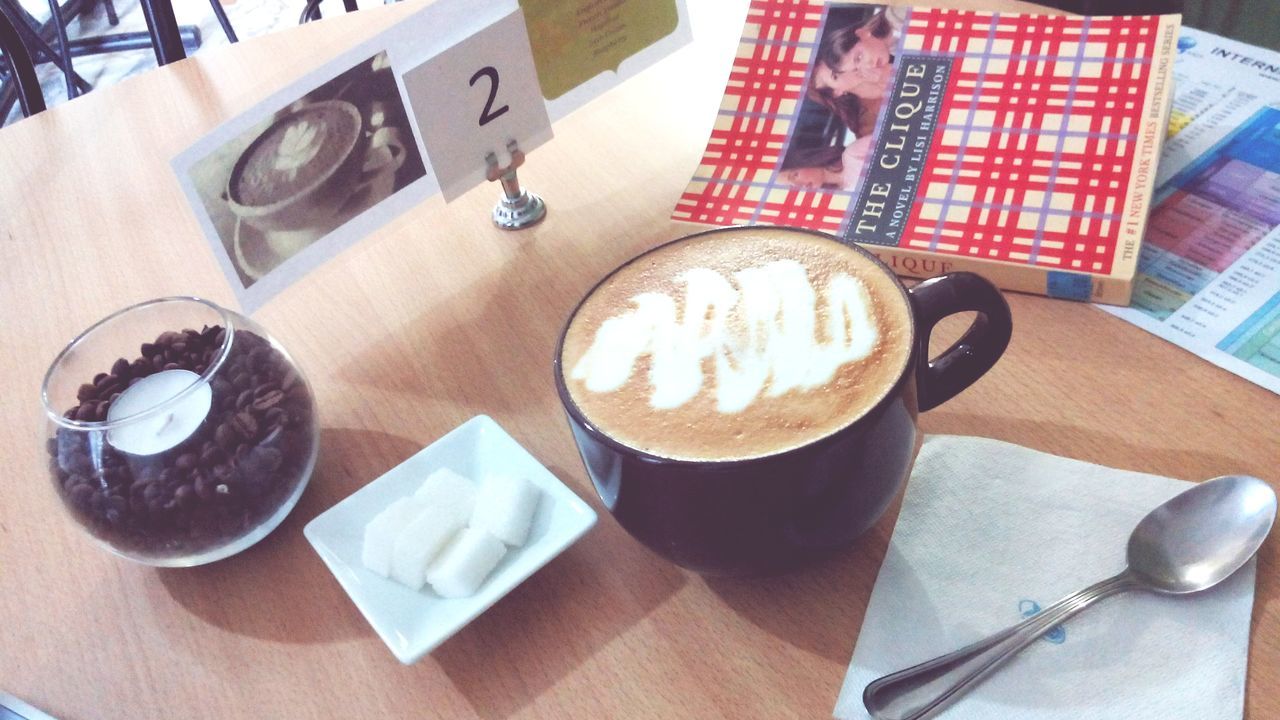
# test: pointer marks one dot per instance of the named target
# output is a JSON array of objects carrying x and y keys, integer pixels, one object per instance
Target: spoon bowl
[{"x": 1201, "y": 536}]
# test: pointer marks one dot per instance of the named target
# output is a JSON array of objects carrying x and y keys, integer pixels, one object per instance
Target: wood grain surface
[{"x": 432, "y": 320}]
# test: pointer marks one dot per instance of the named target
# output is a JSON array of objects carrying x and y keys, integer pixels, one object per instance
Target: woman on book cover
[{"x": 852, "y": 74}]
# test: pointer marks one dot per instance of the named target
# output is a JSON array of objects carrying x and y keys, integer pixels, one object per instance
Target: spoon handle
[{"x": 923, "y": 690}]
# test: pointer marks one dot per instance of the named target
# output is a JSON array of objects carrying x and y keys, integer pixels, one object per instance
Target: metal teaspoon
[{"x": 1192, "y": 542}]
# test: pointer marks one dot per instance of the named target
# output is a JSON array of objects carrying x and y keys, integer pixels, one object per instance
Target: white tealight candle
[{"x": 161, "y": 431}]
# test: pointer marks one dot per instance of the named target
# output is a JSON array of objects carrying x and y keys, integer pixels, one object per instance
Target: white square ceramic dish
[{"x": 413, "y": 623}]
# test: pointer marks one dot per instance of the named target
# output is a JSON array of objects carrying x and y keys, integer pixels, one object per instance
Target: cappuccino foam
[{"x": 736, "y": 344}]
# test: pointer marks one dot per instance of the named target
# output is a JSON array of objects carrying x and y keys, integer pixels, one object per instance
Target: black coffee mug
[{"x": 772, "y": 513}]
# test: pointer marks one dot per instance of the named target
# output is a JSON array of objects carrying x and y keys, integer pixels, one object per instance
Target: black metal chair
[
  {"x": 311, "y": 11},
  {"x": 21, "y": 70}
]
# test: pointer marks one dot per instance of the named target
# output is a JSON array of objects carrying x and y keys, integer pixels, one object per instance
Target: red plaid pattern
[{"x": 1034, "y": 148}]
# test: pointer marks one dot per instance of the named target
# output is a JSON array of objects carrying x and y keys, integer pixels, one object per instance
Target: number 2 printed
[{"x": 489, "y": 114}]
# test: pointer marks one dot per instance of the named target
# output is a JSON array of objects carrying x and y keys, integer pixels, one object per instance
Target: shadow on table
[
  {"x": 478, "y": 349},
  {"x": 1084, "y": 443},
  {"x": 545, "y": 628},
  {"x": 818, "y": 608},
  {"x": 278, "y": 588}
]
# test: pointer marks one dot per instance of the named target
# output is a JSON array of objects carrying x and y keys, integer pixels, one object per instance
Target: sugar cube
[
  {"x": 381, "y": 532},
  {"x": 441, "y": 481},
  {"x": 465, "y": 563},
  {"x": 504, "y": 507},
  {"x": 447, "y": 501}
]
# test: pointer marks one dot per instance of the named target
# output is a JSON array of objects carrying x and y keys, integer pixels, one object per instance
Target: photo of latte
[
  {"x": 306, "y": 169},
  {"x": 736, "y": 344},
  {"x": 295, "y": 153}
]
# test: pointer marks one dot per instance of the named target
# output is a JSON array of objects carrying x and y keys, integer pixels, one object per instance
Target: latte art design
[{"x": 762, "y": 331}]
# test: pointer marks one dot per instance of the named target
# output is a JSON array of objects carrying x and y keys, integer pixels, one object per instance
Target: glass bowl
[{"x": 176, "y": 446}]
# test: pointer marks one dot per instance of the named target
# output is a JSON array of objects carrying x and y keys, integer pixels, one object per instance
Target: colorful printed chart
[{"x": 1207, "y": 275}]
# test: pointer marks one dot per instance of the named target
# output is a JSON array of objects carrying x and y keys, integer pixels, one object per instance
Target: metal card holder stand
[{"x": 518, "y": 208}]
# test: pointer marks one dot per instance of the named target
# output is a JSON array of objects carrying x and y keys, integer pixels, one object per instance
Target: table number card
[
  {"x": 476, "y": 97},
  {"x": 341, "y": 151}
]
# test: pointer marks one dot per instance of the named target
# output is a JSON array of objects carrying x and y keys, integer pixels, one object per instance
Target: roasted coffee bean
[
  {"x": 186, "y": 461},
  {"x": 211, "y": 455},
  {"x": 114, "y": 477},
  {"x": 139, "y": 367},
  {"x": 158, "y": 361},
  {"x": 100, "y": 410},
  {"x": 274, "y": 417},
  {"x": 97, "y": 379},
  {"x": 179, "y": 347},
  {"x": 268, "y": 459},
  {"x": 168, "y": 337},
  {"x": 243, "y": 399},
  {"x": 258, "y": 357},
  {"x": 172, "y": 366},
  {"x": 168, "y": 476},
  {"x": 76, "y": 462},
  {"x": 226, "y": 437},
  {"x": 85, "y": 412},
  {"x": 120, "y": 368},
  {"x": 149, "y": 349},
  {"x": 224, "y": 473},
  {"x": 203, "y": 487},
  {"x": 268, "y": 401},
  {"x": 244, "y": 424},
  {"x": 185, "y": 495},
  {"x": 240, "y": 381},
  {"x": 80, "y": 494},
  {"x": 86, "y": 391}
]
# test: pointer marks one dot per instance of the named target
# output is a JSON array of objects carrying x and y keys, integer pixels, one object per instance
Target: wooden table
[{"x": 439, "y": 317}]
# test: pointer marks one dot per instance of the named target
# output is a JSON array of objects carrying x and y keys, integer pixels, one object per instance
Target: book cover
[{"x": 1021, "y": 147}]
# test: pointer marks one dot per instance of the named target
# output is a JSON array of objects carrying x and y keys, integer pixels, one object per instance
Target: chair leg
[
  {"x": 225, "y": 22},
  {"x": 21, "y": 70},
  {"x": 28, "y": 28},
  {"x": 163, "y": 27},
  {"x": 350, "y": 5},
  {"x": 310, "y": 12},
  {"x": 60, "y": 29},
  {"x": 112, "y": 18}
]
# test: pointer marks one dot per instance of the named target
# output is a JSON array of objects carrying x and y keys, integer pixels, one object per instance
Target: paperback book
[{"x": 1022, "y": 147}]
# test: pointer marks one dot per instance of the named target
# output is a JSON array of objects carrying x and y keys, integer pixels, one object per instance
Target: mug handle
[{"x": 940, "y": 379}]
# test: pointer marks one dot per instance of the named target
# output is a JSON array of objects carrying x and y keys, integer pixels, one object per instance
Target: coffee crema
[
  {"x": 736, "y": 344},
  {"x": 295, "y": 153}
]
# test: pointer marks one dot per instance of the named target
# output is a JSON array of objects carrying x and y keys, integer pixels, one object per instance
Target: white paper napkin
[{"x": 986, "y": 530}]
